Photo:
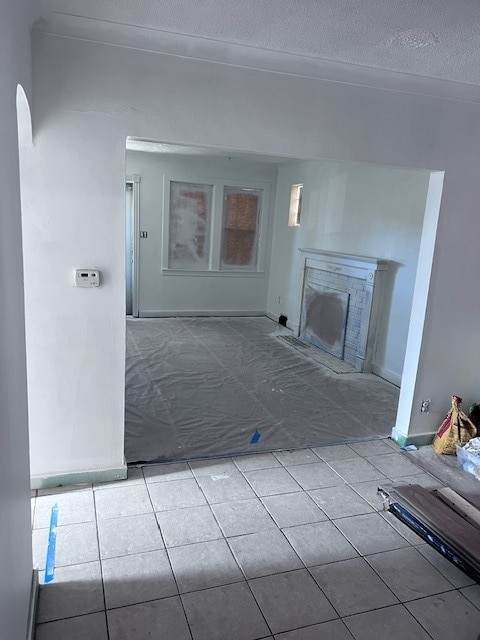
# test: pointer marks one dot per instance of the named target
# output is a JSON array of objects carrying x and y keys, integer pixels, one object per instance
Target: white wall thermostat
[{"x": 87, "y": 278}]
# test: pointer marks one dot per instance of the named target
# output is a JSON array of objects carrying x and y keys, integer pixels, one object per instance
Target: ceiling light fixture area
[{"x": 413, "y": 39}]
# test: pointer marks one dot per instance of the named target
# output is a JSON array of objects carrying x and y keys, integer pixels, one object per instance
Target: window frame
[
  {"x": 216, "y": 226},
  {"x": 296, "y": 205}
]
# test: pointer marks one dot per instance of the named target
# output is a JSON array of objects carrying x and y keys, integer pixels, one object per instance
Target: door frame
[{"x": 135, "y": 182}]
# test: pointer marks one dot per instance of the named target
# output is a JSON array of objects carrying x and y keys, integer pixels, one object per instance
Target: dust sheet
[{"x": 201, "y": 387}]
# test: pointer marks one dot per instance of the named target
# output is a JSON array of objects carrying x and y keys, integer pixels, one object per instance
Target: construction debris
[{"x": 443, "y": 518}]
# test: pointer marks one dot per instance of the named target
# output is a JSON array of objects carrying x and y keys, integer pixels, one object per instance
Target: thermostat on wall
[{"x": 87, "y": 278}]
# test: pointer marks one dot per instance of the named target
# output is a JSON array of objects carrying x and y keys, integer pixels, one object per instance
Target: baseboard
[
  {"x": 79, "y": 477},
  {"x": 294, "y": 327},
  {"x": 418, "y": 439},
  {"x": 290, "y": 325},
  {"x": 387, "y": 374},
  {"x": 209, "y": 313},
  {"x": 32, "y": 609}
]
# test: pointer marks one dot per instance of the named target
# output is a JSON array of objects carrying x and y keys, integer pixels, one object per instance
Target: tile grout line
[
  {"x": 101, "y": 564},
  {"x": 169, "y": 560}
]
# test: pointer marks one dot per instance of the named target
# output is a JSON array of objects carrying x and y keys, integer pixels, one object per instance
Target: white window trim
[
  {"x": 296, "y": 196},
  {"x": 216, "y": 226}
]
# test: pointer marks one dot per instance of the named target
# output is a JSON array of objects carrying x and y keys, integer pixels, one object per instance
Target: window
[
  {"x": 213, "y": 226},
  {"x": 295, "y": 211},
  {"x": 189, "y": 226},
  {"x": 241, "y": 210}
]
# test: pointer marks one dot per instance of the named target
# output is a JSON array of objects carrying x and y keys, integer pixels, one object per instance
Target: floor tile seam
[
  {"x": 156, "y": 519},
  {"x": 269, "y": 574},
  {"x": 341, "y": 517},
  {"x": 121, "y": 485},
  {"x": 345, "y": 618},
  {"x": 207, "y": 501},
  {"x": 65, "y": 490},
  {"x": 361, "y": 454},
  {"x": 312, "y": 488},
  {"x": 77, "y": 615},
  {"x": 241, "y": 579},
  {"x": 131, "y": 555},
  {"x": 279, "y": 466},
  {"x": 374, "y": 608},
  {"x": 298, "y": 449},
  {"x": 33, "y": 507},
  {"x": 351, "y": 542},
  {"x": 303, "y": 523},
  {"x": 385, "y": 518},
  {"x": 127, "y": 555},
  {"x": 217, "y": 520},
  {"x": 131, "y": 515},
  {"x": 419, "y": 622},
  {"x": 101, "y": 567},
  {"x": 176, "y": 583},
  {"x": 352, "y": 486},
  {"x": 402, "y": 601},
  {"x": 340, "y": 475},
  {"x": 350, "y": 481},
  {"x": 69, "y": 524},
  {"x": 414, "y": 546},
  {"x": 189, "y": 544},
  {"x": 164, "y": 480},
  {"x": 467, "y": 587},
  {"x": 251, "y": 591},
  {"x": 300, "y": 488}
]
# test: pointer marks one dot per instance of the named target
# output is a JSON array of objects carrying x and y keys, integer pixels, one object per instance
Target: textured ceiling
[{"x": 435, "y": 38}]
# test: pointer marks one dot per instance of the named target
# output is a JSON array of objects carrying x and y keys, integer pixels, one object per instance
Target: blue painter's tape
[
  {"x": 52, "y": 543},
  {"x": 255, "y": 438}
]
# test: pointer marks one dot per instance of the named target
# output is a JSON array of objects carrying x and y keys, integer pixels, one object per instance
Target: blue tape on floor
[
  {"x": 255, "y": 438},
  {"x": 52, "y": 543}
]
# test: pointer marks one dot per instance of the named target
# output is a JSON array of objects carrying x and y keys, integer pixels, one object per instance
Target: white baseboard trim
[
  {"x": 387, "y": 374},
  {"x": 272, "y": 316},
  {"x": 79, "y": 477},
  {"x": 418, "y": 439},
  {"x": 294, "y": 327},
  {"x": 209, "y": 313},
  {"x": 32, "y": 609}
]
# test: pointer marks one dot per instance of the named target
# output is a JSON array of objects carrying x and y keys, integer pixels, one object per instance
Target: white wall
[
  {"x": 218, "y": 292},
  {"x": 15, "y": 532},
  {"x": 358, "y": 209},
  {"x": 89, "y": 96}
]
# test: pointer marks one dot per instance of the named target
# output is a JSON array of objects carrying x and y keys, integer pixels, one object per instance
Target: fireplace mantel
[
  {"x": 362, "y": 279},
  {"x": 347, "y": 264}
]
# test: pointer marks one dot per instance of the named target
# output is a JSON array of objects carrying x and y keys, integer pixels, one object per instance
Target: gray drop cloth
[{"x": 205, "y": 386}]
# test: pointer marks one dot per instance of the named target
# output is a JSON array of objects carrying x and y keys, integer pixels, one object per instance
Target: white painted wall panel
[
  {"x": 15, "y": 528},
  {"x": 90, "y": 96},
  {"x": 207, "y": 293},
  {"x": 361, "y": 210}
]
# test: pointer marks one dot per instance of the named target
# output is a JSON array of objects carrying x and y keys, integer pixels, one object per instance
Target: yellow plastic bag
[{"x": 456, "y": 428}]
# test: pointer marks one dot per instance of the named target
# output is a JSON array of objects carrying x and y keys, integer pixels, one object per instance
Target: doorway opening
[
  {"x": 132, "y": 203},
  {"x": 194, "y": 354}
]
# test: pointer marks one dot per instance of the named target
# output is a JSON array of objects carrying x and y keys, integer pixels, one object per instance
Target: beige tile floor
[{"x": 285, "y": 545}]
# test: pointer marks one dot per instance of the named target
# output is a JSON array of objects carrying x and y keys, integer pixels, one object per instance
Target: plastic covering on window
[
  {"x": 189, "y": 226},
  {"x": 241, "y": 211},
  {"x": 201, "y": 387}
]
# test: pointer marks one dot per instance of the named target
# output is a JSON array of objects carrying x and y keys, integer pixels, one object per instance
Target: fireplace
[{"x": 341, "y": 301}]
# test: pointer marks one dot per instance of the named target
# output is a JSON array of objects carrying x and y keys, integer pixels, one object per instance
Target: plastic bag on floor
[{"x": 457, "y": 428}]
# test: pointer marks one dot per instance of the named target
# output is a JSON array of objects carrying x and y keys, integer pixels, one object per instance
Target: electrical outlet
[{"x": 425, "y": 406}]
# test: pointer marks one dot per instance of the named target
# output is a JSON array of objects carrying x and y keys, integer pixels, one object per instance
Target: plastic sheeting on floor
[{"x": 200, "y": 387}]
